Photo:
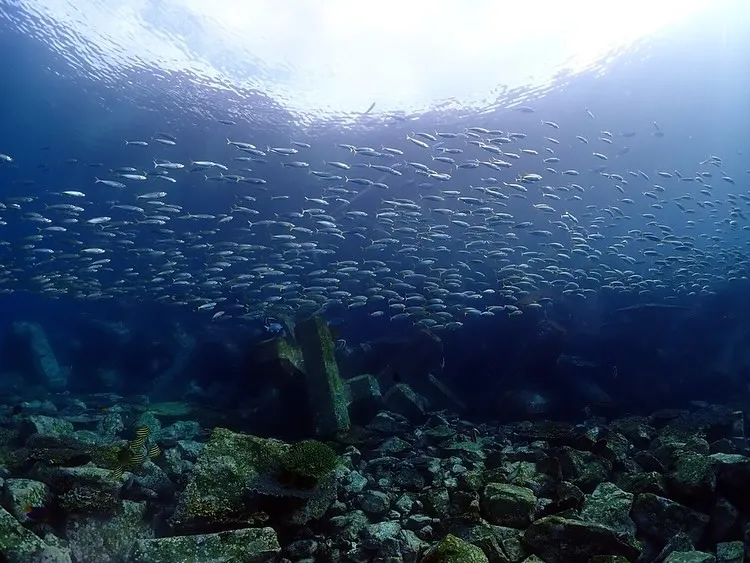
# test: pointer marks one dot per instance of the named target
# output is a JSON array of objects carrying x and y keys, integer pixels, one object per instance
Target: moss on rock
[
  {"x": 306, "y": 462},
  {"x": 454, "y": 550},
  {"x": 228, "y": 467}
]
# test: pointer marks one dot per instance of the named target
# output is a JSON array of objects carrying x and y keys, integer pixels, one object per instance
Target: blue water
[{"x": 82, "y": 78}]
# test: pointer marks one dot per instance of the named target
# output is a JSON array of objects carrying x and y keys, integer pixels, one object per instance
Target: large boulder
[
  {"x": 38, "y": 354},
  {"x": 94, "y": 539},
  {"x": 19, "y": 545},
  {"x": 241, "y": 479},
  {"x": 454, "y": 550},
  {"x": 565, "y": 540},
  {"x": 508, "y": 505},
  {"x": 325, "y": 388},
  {"x": 249, "y": 545}
]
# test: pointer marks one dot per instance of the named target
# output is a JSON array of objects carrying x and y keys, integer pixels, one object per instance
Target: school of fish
[{"x": 435, "y": 229}]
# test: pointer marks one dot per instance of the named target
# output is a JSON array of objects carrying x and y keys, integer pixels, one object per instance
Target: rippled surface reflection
[{"x": 337, "y": 58}]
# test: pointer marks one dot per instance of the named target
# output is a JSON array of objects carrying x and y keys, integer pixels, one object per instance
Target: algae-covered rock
[
  {"x": 248, "y": 545},
  {"x": 19, "y": 545},
  {"x": 18, "y": 494},
  {"x": 307, "y": 461},
  {"x": 609, "y": 506},
  {"x": 690, "y": 557},
  {"x": 694, "y": 476},
  {"x": 63, "y": 450},
  {"x": 326, "y": 391},
  {"x": 564, "y": 540},
  {"x": 365, "y": 398},
  {"x": 730, "y": 552},
  {"x": 583, "y": 468},
  {"x": 490, "y": 540},
  {"x": 238, "y": 475},
  {"x": 85, "y": 489},
  {"x": 228, "y": 466},
  {"x": 93, "y": 539},
  {"x": 45, "y": 426},
  {"x": 454, "y": 550},
  {"x": 659, "y": 518},
  {"x": 646, "y": 482},
  {"x": 402, "y": 399},
  {"x": 508, "y": 505},
  {"x": 281, "y": 354}
]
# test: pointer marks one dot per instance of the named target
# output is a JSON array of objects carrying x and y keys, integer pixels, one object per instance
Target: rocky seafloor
[{"x": 670, "y": 487}]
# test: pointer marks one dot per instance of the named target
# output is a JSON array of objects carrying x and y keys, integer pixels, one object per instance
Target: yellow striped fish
[{"x": 141, "y": 433}]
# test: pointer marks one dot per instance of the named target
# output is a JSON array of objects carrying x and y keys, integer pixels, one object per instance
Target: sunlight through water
[{"x": 341, "y": 56}]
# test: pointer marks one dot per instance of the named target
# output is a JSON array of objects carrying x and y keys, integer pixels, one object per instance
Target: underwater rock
[
  {"x": 180, "y": 430},
  {"x": 40, "y": 355},
  {"x": 609, "y": 506},
  {"x": 564, "y": 540},
  {"x": 454, "y": 550},
  {"x": 280, "y": 354},
  {"x": 690, "y": 557},
  {"x": 22, "y": 495},
  {"x": 730, "y": 552},
  {"x": 375, "y": 503},
  {"x": 584, "y": 469},
  {"x": 19, "y": 545},
  {"x": 325, "y": 388},
  {"x": 709, "y": 424},
  {"x": 93, "y": 539},
  {"x": 152, "y": 477},
  {"x": 374, "y": 535},
  {"x": 636, "y": 429},
  {"x": 659, "y": 518},
  {"x": 388, "y": 423},
  {"x": 84, "y": 490},
  {"x": 229, "y": 463},
  {"x": 238, "y": 476},
  {"x": 437, "y": 502},
  {"x": 693, "y": 477},
  {"x": 365, "y": 399},
  {"x": 724, "y": 521},
  {"x": 110, "y": 425},
  {"x": 50, "y": 450},
  {"x": 46, "y": 407},
  {"x": 733, "y": 476},
  {"x": 678, "y": 542},
  {"x": 45, "y": 426},
  {"x": 354, "y": 483},
  {"x": 402, "y": 400},
  {"x": 301, "y": 549},
  {"x": 348, "y": 526},
  {"x": 190, "y": 449},
  {"x": 489, "y": 539},
  {"x": 249, "y": 545},
  {"x": 395, "y": 446},
  {"x": 276, "y": 380},
  {"x": 508, "y": 505}
]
